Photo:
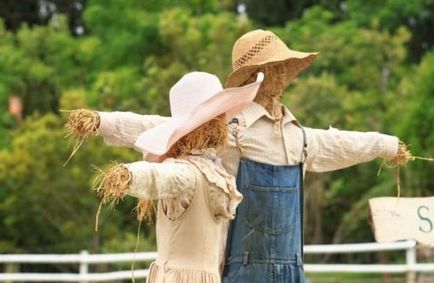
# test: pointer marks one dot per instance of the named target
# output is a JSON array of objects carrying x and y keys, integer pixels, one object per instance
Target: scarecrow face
[
  {"x": 276, "y": 79},
  {"x": 212, "y": 134}
]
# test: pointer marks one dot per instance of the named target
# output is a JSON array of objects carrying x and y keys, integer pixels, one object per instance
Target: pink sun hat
[{"x": 194, "y": 100}]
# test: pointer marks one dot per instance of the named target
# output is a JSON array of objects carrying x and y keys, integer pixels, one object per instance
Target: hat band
[{"x": 255, "y": 49}]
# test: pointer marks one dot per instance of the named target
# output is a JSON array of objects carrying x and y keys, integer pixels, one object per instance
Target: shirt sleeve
[
  {"x": 123, "y": 128},
  {"x": 167, "y": 180},
  {"x": 333, "y": 149}
]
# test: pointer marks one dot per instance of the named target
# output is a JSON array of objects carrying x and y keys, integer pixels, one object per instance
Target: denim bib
[{"x": 265, "y": 240}]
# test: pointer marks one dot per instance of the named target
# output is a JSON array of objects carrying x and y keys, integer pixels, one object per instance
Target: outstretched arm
[
  {"x": 167, "y": 180},
  {"x": 123, "y": 128},
  {"x": 334, "y": 149},
  {"x": 172, "y": 182},
  {"x": 147, "y": 180},
  {"x": 116, "y": 128}
]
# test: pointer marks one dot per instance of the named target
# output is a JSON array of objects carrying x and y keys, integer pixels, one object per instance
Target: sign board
[{"x": 396, "y": 219}]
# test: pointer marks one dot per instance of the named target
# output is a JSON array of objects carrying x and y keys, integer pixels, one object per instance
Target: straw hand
[
  {"x": 113, "y": 183},
  {"x": 83, "y": 122}
]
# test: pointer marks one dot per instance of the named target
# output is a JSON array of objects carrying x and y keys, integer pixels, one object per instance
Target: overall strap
[
  {"x": 304, "y": 148},
  {"x": 234, "y": 130},
  {"x": 301, "y": 196}
]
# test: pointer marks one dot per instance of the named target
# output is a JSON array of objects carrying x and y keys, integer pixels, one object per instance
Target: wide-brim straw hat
[
  {"x": 195, "y": 99},
  {"x": 260, "y": 48}
]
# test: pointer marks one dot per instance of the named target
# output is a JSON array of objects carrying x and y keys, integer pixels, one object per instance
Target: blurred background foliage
[{"x": 375, "y": 72}]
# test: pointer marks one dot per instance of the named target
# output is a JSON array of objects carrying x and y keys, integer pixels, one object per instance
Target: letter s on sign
[{"x": 419, "y": 210}]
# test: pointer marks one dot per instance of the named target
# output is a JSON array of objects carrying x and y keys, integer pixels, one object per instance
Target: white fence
[{"x": 84, "y": 259}]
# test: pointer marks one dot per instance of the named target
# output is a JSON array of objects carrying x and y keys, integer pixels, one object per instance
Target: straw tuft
[
  {"x": 81, "y": 123},
  {"x": 112, "y": 184},
  {"x": 144, "y": 209},
  {"x": 212, "y": 134},
  {"x": 272, "y": 88},
  {"x": 403, "y": 156}
]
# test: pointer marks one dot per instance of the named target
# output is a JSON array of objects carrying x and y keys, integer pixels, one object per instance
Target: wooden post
[
  {"x": 410, "y": 258},
  {"x": 384, "y": 259},
  {"x": 11, "y": 267},
  {"x": 84, "y": 266}
]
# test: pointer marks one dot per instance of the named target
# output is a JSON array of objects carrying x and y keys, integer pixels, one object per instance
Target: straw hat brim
[
  {"x": 230, "y": 101},
  {"x": 302, "y": 59}
]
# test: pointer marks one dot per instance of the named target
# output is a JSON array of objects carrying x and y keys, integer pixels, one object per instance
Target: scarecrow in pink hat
[
  {"x": 196, "y": 195},
  {"x": 268, "y": 151}
]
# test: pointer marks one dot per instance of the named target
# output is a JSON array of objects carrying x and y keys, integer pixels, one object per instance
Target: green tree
[
  {"x": 417, "y": 127},
  {"x": 52, "y": 203},
  {"x": 30, "y": 12},
  {"x": 416, "y": 16},
  {"x": 278, "y": 13}
]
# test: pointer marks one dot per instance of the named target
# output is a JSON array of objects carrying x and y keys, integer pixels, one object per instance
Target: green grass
[{"x": 353, "y": 278}]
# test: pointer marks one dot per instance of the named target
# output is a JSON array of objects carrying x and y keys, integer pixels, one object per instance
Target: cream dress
[{"x": 189, "y": 227}]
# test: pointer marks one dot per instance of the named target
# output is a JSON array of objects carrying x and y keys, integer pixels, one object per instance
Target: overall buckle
[{"x": 245, "y": 258}]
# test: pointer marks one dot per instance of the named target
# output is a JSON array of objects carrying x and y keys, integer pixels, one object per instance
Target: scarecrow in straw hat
[
  {"x": 268, "y": 151},
  {"x": 196, "y": 194}
]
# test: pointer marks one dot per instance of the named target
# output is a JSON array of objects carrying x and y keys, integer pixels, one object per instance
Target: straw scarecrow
[
  {"x": 196, "y": 195},
  {"x": 268, "y": 151}
]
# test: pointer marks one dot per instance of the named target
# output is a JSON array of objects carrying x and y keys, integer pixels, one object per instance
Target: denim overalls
[{"x": 265, "y": 240}]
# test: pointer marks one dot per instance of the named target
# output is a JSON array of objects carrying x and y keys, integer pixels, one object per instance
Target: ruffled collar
[{"x": 211, "y": 167}]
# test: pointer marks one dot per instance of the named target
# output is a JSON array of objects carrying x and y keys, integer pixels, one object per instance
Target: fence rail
[{"x": 84, "y": 259}]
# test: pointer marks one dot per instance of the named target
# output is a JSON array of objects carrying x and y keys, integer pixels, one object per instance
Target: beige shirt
[
  {"x": 190, "y": 247},
  {"x": 123, "y": 128},
  {"x": 173, "y": 182},
  {"x": 262, "y": 140},
  {"x": 327, "y": 150}
]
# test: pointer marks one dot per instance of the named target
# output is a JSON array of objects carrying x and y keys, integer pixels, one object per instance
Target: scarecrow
[
  {"x": 196, "y": 195},
  {"x": 268, "y": 151}
]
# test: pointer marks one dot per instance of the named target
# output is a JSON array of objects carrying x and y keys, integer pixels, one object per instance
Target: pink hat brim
[{"x": 231, "y": 101}]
